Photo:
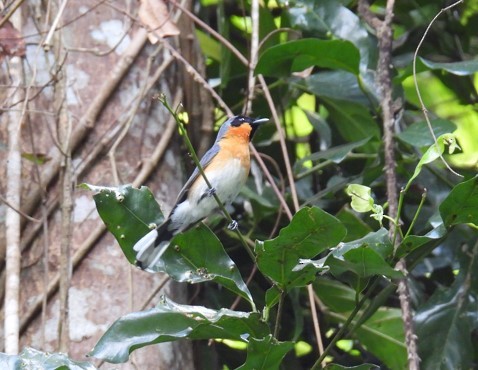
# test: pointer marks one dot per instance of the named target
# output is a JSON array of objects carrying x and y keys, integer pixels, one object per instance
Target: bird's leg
[{"x": 233, "y": 225}]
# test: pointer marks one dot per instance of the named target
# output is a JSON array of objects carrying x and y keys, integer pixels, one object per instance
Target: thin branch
[{"x": 251, "y": 80}]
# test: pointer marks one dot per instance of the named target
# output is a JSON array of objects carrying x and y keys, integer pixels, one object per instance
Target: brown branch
[{"x": 384, "y": 82}]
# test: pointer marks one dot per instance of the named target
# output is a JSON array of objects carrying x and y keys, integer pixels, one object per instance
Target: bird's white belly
[{"x": 227, "y": 182}]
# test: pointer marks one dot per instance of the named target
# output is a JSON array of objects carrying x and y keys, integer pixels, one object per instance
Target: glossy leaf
[
  {"x": 197, "y": 256},
  {"x": 356, "y": 227},
  {"x": 265, "y": 353},
  {"x": 310, "y": 232},
  {"x": 327, "y": 17},
  {"x": 32, "y": 359},
  {"x": 461, "y": 205},
  {"x": 418, "y": 134},
  {"x": 128, "y": 213},
  {"x": 170, "y": 321},
  {"x": 445, "y": 323},
  {"x": 462, "y": 68},
  {"x": 297, "y": 55}
]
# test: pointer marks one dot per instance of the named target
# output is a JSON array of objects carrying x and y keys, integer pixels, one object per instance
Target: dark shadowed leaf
[
  {"x": 128, "y": 213},
  {"x": 197, "y": 256},
  {"x": 418, "y": 134},
  {"x": 310, "y": 232},
  {"x": 295, "y": 56},
  {"x": 265, "y": 353},
  {"x": 382, "y": 334},
  {"x": 445, "y": 323},
  {"x": 462, "y": 68},
  {"x": 461, "y": 205},
  {"x": 170, "y": 321},
  {"x": 353, "y": 121}
]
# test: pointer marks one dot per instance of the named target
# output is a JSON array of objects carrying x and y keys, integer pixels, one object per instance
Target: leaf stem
[{"x": 415, "y": 217}]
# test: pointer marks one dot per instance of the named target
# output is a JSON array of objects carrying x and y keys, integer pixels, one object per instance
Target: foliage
[{"x": 331, "y": 242}]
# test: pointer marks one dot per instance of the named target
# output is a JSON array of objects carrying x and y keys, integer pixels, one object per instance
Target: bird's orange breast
[{"x": 233, "y": 147}]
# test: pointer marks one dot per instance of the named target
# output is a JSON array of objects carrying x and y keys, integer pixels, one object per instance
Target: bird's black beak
[{"x": 255, "y": 124}]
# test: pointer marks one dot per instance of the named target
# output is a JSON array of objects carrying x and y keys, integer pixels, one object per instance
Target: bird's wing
[{"x": 205, "y": 160}]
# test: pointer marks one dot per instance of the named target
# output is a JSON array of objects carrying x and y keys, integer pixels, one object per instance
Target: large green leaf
[
  {"x": 445, "y": 323},
  {"x": 310, "y": 232},
  {"x": 382, "y": 334},
  {"x": 197, "y": 256},
  {"x": 295, "y": 56},
  {"x": 32, "y": 359},
  {"x": 170, "y": 321},
  {"x": 353, "y": 121},
  {"x": 339, "y": 85},
  {"x": 461, "y": 205},
  {"x": 127, "y": 213},
  {"x": 418, "y": 134},
  {"x": 265, "y": 353},
  {"x": 329, "y": 17}
]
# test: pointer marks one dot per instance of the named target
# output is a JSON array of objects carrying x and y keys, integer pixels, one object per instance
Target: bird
[{"x": 226, "y": 165}]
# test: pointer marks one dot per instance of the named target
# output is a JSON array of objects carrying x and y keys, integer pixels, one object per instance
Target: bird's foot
[
  {"x": 233, "y": 225},
  {"x": 210, "y": 192}
]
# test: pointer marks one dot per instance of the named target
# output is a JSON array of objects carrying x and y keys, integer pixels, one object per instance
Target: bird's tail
[{"x": 151, "y": 247}]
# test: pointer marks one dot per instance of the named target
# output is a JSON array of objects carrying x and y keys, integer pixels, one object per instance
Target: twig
[
  {"x": 47, "y": 43},
  {"x": 10, "y": 12},
  {"x": 19, "y": 211},
  {"x": 415, "y": 81},
  {"x": 251, "y": 79}
]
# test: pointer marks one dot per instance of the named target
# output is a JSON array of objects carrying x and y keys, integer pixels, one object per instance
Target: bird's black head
[{"x": 238, "y": 121}]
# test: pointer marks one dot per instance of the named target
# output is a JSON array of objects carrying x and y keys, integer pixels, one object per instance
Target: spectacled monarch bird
[{"x": 226, "y": 165}]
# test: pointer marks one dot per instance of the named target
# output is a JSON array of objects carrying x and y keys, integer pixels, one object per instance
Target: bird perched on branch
[{"x": 226, "y": 166}]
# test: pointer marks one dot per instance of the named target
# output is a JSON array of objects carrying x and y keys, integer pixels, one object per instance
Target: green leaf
[
  {"x": 128, "y": 214},
  {"x": 329, "y": 17},
  {"x": 197, "y": 256},
  {"x": 462, "y": 68},
  {"x": 361, "y": 195},
  {"x": 382, "y": 334},
  {"x": 295, "y": 56},
  {"x": 352, "y": 120},
  {"x": 445, "y": 323},
  {"x": 461, "y": 205},
  {"x": 310, "y": 232},
  {"x": 412, "y": 242},
  {"x": 434, "y": 152},
  {"x": 338, "y": 85},
  {"x": 170, "y": 321},
  {"x": 32, "y": 359},
  {"x": 265, "y": 353},
  {"x": 356, "y": 228},
  {"x": 418, "y": 134}
]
